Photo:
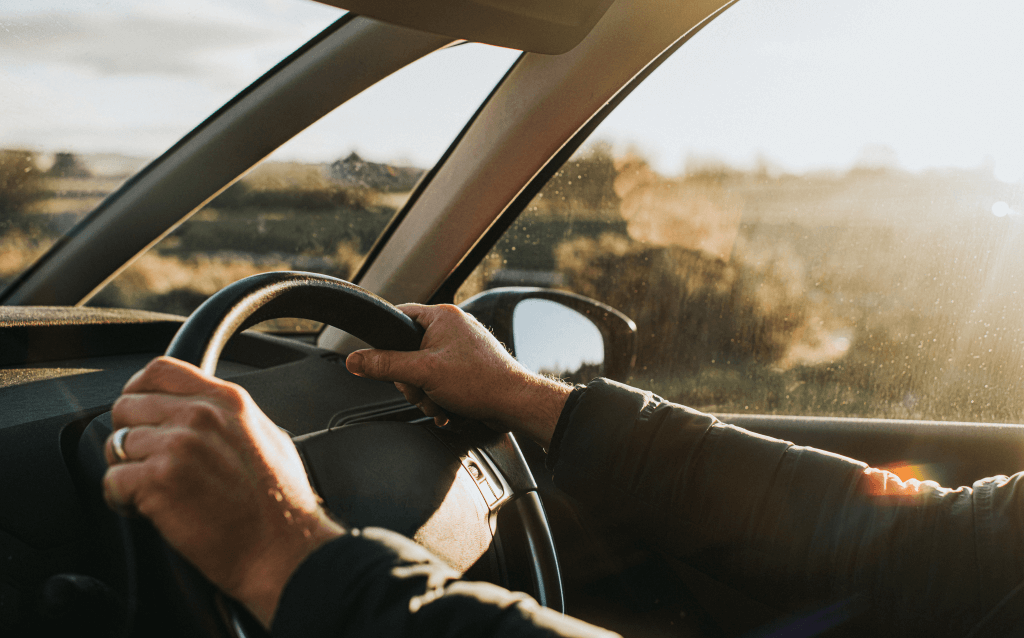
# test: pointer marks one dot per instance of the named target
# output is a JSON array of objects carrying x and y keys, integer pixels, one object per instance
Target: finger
[
  {"x": 131, "y": 410},
  {"x": 110, "y": 456},
  {"x": 427, "y": 315},
  {"x": 171, "y": 376},
  {"x": 141, "y": 446},
  {"x": 420, "y": 399},
  {"x": 415, "y": 311},
  {"x": 387, "y": 365},
  {"x": 433, "y": 410},
  {"x": 120, "y": 486},
  {"x": 411, "y": 393},
  {"x": 430, "y": 408}
]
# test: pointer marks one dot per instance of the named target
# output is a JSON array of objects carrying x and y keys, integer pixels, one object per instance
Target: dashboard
[{"x": 67, "y": 562}]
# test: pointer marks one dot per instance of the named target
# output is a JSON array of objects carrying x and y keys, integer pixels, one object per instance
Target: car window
[
  {"x": 812, "y": 208},
  {"x": 93, "y": 90},
  {"x": 319, "y": 202}
]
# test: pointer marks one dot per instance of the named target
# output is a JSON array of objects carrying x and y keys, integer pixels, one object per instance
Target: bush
[
  {"x": 718, "y": 310},
  {"x": 584, "y": 184},
  {"x": 278, "y": 188},
  {"x": 19, "y": 185}
]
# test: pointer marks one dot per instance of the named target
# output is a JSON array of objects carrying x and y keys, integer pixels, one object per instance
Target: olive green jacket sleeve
[{"x": 795, "y": 527}]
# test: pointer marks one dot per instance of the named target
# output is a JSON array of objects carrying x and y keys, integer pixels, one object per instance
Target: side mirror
[{"x": 559, "y": 333}]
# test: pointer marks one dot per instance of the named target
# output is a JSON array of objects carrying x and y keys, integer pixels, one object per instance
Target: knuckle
[
  {"x": 450, "y": 310},
  {"x": 202, "y": 415},
  {"x": 121, "y": 406},
  {"x": 183, "y": 444},
  {"x": 151, "y": 504},
  {"x": 160, "y": 368},
  {"x": 233, "y": 397},
  {"x": 159, "y": 363},
  {"x": 165, "y": 473},
  {"x": 378, "y": 365}
]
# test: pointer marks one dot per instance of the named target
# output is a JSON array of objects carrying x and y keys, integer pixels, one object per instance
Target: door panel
[{"x": 950, "y": 453}]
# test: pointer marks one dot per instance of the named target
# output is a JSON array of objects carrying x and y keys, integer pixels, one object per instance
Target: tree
[
  {"x": 585, "y": 182},
  {"x": 68, "y": 165}
]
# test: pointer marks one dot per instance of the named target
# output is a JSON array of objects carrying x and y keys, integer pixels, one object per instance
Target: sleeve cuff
[
  {"x": 563, "y": 423},
  {"x": 357, "y": 584}
]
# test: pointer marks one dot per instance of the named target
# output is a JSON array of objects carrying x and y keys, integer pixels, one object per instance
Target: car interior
[{"x": 869, "y": 311}]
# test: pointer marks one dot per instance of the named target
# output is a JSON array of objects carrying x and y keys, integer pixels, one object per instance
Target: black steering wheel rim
[
  {"x": 275, "y": 295},
  {"x": 338, "y": 303}
]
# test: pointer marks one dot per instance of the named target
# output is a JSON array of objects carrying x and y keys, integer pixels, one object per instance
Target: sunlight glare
[
  {"x": 1009, "y": 170},
  {"x": 1002, "y": 209}
]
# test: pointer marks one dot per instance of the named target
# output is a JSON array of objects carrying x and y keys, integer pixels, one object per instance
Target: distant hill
[
  {"x": 355, "y": 171},
  {"x": 883, "y": 197}
]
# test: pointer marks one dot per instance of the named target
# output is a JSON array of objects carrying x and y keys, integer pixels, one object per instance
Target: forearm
[
  {"x": 538, "y": 407},
  {"x": 792, "y": 526}
]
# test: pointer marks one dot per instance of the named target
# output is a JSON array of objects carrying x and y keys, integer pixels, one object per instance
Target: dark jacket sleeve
[
  {"x": 795, "y": 527},
  {"x": 374, "y": 582}
]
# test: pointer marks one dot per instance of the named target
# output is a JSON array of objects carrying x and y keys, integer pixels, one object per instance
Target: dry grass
[
  {"x": 392, "y": 201},
  {"x": 91, "y": 185},
  {"x": 17, "y": 251},
  {"x": 865, "y": 293},
  {"x": 155, "y": 274},
  {"x": 279, "y": 176},
  {"x": 178, "y": 284}
]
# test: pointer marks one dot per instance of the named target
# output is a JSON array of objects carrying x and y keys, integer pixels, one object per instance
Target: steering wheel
[{"x": 467, "y": 495}]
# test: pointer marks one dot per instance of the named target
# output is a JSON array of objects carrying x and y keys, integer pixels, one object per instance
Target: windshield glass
[
  {"x": 93, "y": 90},
  {"x": 319, "y": 203},
  {"x": 807, "y": 210}
]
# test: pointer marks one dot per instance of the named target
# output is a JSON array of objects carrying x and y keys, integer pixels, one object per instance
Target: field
[
  {"x": 280, "y": 216},
  {"x": 872, "y": 292}
]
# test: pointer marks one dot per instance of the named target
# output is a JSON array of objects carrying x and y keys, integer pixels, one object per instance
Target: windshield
[
  {"x": 93, "y": 90},
  {"x": 320, "y": 202},
  {"x": 807, "y": 210},
  {"x": 316, "y": 204}
]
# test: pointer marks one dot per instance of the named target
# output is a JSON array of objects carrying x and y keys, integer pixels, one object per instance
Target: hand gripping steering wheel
[{"x": 440, "y": 487}]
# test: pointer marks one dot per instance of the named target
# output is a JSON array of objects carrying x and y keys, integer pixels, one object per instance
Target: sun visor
[{"x": 539, "y": 26}]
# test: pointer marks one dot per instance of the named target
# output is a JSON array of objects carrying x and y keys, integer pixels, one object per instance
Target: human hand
[
  {"x": 461, "y": 367},
  {"x": 223, "y": 485}
]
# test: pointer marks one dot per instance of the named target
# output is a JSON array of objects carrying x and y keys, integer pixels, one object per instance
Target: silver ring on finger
[{"x": 117, "y": 444}]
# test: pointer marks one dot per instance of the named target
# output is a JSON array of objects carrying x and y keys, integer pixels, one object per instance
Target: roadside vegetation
[
  {"x": 871, "y": 292},
  {"x": 23, "y": 234}
]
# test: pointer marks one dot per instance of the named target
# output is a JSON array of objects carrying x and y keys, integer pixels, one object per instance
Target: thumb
[{"x": 384, "y": 365}]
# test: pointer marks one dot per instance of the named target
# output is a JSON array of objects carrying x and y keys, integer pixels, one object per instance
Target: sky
[
  {"x": 554, "y": 339},
  {"x": 816, "y": 83},
  {"x": 801, "y": 84}
]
